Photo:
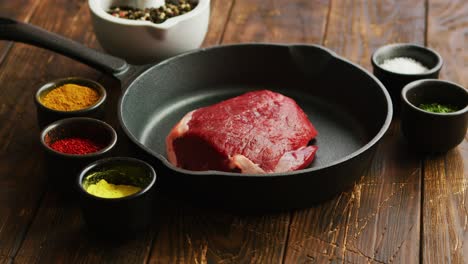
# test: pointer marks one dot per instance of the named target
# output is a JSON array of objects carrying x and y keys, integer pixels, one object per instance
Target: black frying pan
[{"x": 348, "y": 106}]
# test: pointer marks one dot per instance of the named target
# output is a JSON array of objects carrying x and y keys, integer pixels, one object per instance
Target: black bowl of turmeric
[
  {"x": 116, "y": 196},
  {"x": 434, "y": 115},
  {"x": 72, "y": 143},
  {"x": 69, "y": 97}
]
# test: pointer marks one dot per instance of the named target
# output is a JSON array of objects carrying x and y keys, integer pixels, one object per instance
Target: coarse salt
[{"x": 404, "y": 65}]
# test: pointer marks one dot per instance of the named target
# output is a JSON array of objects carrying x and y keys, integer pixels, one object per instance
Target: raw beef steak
[{"x": 257, "y": 132}]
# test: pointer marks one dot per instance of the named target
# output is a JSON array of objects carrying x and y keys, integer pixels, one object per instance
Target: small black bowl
[
  {"x": 47, "y": 115},
  {"x": 63, "y": 167},
  {"x": 430, "y": 132},
  {"x": 393, "y": 81},
  {"x": 118, "y": 217}
]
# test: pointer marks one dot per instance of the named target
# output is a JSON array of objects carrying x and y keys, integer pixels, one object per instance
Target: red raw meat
[{"x": 257, "y": 132}]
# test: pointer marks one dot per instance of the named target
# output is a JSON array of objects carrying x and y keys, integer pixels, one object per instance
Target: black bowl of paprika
[
  {"x": 69, "y": 97},
  {"x": 72, "y": 143}
]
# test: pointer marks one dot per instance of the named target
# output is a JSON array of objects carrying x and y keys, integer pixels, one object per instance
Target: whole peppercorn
[{"x": 170, "y": 9}]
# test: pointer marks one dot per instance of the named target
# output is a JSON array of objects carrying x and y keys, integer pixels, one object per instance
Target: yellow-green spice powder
[{"x": 104, "y": 189}]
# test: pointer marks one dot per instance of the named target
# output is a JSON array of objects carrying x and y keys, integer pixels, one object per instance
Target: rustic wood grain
[
  {"x": 446, "y": 33},
  {"x": 194, "y": 235},
  {"x": 21, "y": 158},
  {"x": 5, "y": 260},
  {"x": 58, "y": 233},
  {"x": 219, "y": 16},
  {"x": 379, "y": 220},
  {"x": 20, "y": 10},
  {"x": 298, "y": 21},
  {"x": 357, "y": 28},
  {"x": 445, "y": 209}
]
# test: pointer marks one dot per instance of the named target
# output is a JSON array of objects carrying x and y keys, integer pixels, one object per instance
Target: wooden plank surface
[
  {"x": 378, "y": 221},
  {"x": 194, "y": 235},
  {"x": 20, "y": 10},
  {"x": 445, "y": 202},
  {"x": 24, "y": 70},
  {"x": 219, "y": 17},
  {"x": 299, "y": 21},
  {"x": 22, "y": 175}
]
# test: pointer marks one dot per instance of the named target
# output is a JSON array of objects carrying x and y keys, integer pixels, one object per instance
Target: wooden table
[{"x": 406, "y": 208}]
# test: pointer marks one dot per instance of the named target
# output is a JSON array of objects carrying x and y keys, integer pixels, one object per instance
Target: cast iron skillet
[{"x": 349, "y": 107}]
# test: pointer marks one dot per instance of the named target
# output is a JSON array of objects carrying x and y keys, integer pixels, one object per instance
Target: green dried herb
[
  {"x": 126, "y": 175},
  {"x": 171, "y": 8},
  {"x": 438, "y": 108}
]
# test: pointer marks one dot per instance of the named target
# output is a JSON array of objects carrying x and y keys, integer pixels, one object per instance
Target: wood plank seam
[
  {"x": 288, "y": 232},
  {"x": 421, "y": 212},
  {"x": 10, "y": 44},
  {"x": 22, "y": 235},
  {"x": 327, "y": 22},
  {"x": 221, "y": 39},
  {"x": 150, "y": 246},
  {"x": 444, "y": 235},
  {"x": 426, "y": 29},
  {"x": 457, "y": 246}
]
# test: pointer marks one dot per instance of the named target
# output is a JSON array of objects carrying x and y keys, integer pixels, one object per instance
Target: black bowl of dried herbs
[{"x": 434, "y": 115}]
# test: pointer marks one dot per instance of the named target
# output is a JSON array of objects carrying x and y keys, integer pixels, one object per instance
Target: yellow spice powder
[
  {"x": 108, "y": 190},
  {"x": 70, "y": 97}
]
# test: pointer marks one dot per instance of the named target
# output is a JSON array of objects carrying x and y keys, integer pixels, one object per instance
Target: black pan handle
[{"x": 27, "y": 33}]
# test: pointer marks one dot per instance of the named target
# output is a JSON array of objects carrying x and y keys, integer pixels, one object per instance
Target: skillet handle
[{"x": 27, "y": 33}]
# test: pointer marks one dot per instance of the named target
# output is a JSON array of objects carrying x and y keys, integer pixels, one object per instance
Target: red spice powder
[{"x": 78, "y": 146}]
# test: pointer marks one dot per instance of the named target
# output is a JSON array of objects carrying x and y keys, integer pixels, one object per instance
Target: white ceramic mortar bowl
[{"x": 141, "y": 42}]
